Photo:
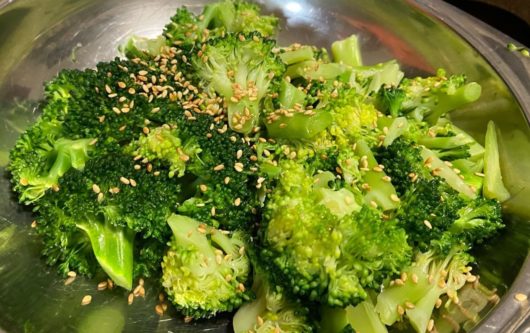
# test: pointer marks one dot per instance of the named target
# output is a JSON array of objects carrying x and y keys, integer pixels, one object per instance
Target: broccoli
[
  {"x": 216, "y": 19},
  {"x": 432, "y": 97},
  {"x": 389, "y": 100},
  {"x": 271, "y": 311},
  {"x": 241, "y": 68},
  {"x": 417, "y": 292},
  {"x": 320, "y": 255},
  {"x": 144, "y": 48},
  {"x": 109, "y": 195},
  {"x": 493, "y": 184},
  {"x": 205, "y": 270},
  {"x": 347, "y": 51},
  {"x": 360, "y": 318}
]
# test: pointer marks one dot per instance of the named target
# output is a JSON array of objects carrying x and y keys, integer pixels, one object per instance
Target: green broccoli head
[
  {"x": 241, "y": 68},
  {"x": 322, "y": 252},
  {"x": 432, "y": 97},
  {"x": 205, "y": 270}
]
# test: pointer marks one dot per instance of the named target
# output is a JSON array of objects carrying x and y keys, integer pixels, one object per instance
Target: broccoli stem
[
  {"x": 362, "y": 318},
  {"x": 381, "y": 192},
  {"x": 454, "y": 99},
  {"x": 243, "y": 116},
  {"x": 493, "y": 185},
  {"x": 439, "y": 168},
  {"x": 113, "y": 248},
  {"x": 347, "y": 51},
  {"x": 314, "y": 70},
  {"x": 398, "y": 127},
  {"x": 290, "y": 95},
  {"x": 295, "y": 56},
  {"x": 299, "y": 126}
]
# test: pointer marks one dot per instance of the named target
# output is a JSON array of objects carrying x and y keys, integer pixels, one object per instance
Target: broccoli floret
[
  {"x": 164, "y": 143},
  {"x": 241, "y": 68},
  {"x": 417, "y": 292},
  {"x": 109, "y": 195},
  {"x": 389, "y": 100},
  {"x": 320, "y": 255},
  {"x": 271, "y": 311},
  {"x": 216, "y": 19},
  {"x": 432, "y": 97},
  {"x": 493, "y": 184},
  {"x": 205, "y": 270}
]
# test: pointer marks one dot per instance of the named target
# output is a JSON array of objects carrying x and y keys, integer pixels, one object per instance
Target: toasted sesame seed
[
  {"x": 409, "y": 305},
  {"x": 69, "y": 280},
  {"x": 132, "y": 182},
  {"x": 438, "y": 303},
  {"x": 145, "y": 130},
  {"x": 188, "y": 319},
  {"x": 377, "y": 169},
  {"x": 107, "y": 89},
  {"x": 86, "y": 300},
  {"x": 394, "y": 198},
  {"x": 113, "y": 95},
  {"x": 203, "y": 187},
  {"x": 219, "y": 167},
  {"x": 427, "y": 224},
  {"x": 399, "y": 282},
  {"x": 137, "y": 167},
  {"x": 430, "y": 325},
  {"x": 400, "y": 310},
  {"x": 414, "y": 278},
  {"x": 241, "y": 287},
  {"x": 130, "y": 298},
  {"x": 238, "y": 167},
  {"x": 159, "y": 311},
  {"x": 100, "y": 196},
  {"x": 373, "y": 204},
  {"x": 227, "y": 180},
  {"x": 121, "y": 84},
  {"x": 184, "y": 157},
  {"x": 520, "y": 297},
  {"x": 96, "y": 188},
  {"x": 237, "y": 202},
  {"x": 101, "y": 118},
  {"x": 102, "y": 285},
  {"x": 124, "y": 180},
  {"x": 34, "y": 224},
  {"x": 72, "y": 274},
  {"x": 239, "y": 154},
  {"x": 386, "y": 179}
]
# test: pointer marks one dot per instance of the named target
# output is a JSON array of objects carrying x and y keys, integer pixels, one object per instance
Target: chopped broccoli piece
[
  {"x": 493, "y": 185},
  {"x": 347, "y": 51},
  {"x": 205, "y": 271}
]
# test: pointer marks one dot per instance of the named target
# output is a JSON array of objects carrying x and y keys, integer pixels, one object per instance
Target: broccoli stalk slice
[
  {"x": 397, "y": 128},
  {"x": 64, "y": 154},
  {"x": 347, "y": 51},
  {"x": 471, "y": 173},
  {"x": 315, "y": 70},
  {"x": 113, "y": 249},
  {"x": 300, "y": 54},
  {"x": 440, "y": 168},
  {"x": 290, "y": 95},
  {"x": 493, "y": 184},
  {"x": 299, "y": 125},
  {"x": 453, "y": 99},
  {"x": 381, "y": 192},
  {"x": 143, "y": 47},
  {"x": 361, "y": 318},
  {"x": 368, "y": 79}
]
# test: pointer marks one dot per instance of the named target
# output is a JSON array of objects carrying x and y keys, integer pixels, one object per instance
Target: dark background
[{"x": 509, "y": 16}]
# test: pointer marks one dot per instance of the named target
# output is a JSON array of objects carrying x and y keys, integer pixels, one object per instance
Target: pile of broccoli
[{"x": 306, "y": 190}]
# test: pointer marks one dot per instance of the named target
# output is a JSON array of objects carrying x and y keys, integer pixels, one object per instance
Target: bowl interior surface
[{"x": 38, "y": 38}]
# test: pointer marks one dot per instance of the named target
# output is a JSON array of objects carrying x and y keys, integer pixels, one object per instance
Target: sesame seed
[
  {"x": 399, "y": 282},
  {"x": 377, "y": 169},
  {"x": 212, "y": 211},
  {"x": 69, "y": 280},
  {"x": 520, "y": 297},
  {"x": 409, "y": 305},
  {"x": 121, "y": 84},
  {"x": 188, "y": 319},
  {"x": 241, "y": 287},
  {"x": 438, "y": 303},
  {"x": 34, "y": 224},
  {"x": 102, "y": 285},
  {"x": 427, "y": 224},
  {"x": 72, "y": 274},
  {"x": 131, "y": 91},
  {"x": 155, "y": 110},
  {"x": 394, "y": 198},
  {"x": 227, "y": 180},
  {"x": 430, "y": 325},
  {"x": 400, "y": 310},
  {"x": 100, "y": 196},
  {"x": 96, "y": 188},
  {"x": 184, "y": 157},
  {"x": 113, "y": 95},
  {"x": 86, "y": 300},
  {"x": 132, "y": 182},
  {"x": 137, "y": 167},
  {"x": 124, "y": 180},
  {"x": 219, "y": 167},
  {"x": 239, "y": 154},
  {"x": 159, "y": 311},
  {"x": 145, "y": 130},
  {"x": 373, "y": 204},
  {"x": 414, "y": 278},
  {"x": 203, "y": 187},
  {"x": 237, "y": 202},
  {"x": 107, "y": 89},
  {"x": 130, "y": 299},
  {"x": 238, "y": 167},
  {"x": 471, "y": 278},
  {"x": 386, "y": 179}
]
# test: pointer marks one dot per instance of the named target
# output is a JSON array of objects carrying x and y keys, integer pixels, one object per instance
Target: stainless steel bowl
[{"x": 40, "y": 37}]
